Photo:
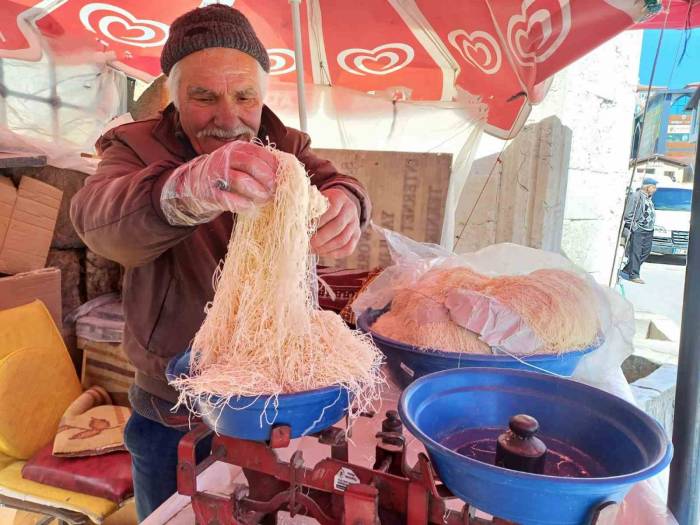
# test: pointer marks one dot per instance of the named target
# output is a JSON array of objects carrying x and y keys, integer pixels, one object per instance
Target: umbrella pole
[
  {"x": 299, "y": 61},
  {"x": 684, "y": 484}
]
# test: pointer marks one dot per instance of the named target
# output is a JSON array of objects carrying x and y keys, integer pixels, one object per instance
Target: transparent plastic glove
[{"x": 236, "y": 177}]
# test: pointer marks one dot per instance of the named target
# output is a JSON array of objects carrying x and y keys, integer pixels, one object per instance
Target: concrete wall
[
  {"x": 521, "y": 198},
  {"x": 595, "y": 98}
]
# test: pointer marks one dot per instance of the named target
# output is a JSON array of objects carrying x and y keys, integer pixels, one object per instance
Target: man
[
  {"x": 639, "y": 227},
  {"x": 162, "y": 204}
]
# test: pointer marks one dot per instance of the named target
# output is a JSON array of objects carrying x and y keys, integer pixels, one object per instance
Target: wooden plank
[
  {"x": 408, "y": 192},
  {"x": 15, "y": 160}
]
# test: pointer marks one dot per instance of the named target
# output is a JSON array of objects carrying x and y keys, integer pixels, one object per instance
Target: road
[{"x": 663, "y": 292}]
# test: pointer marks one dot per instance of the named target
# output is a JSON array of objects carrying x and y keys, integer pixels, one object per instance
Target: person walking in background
[{"x": 639, "y": 227}]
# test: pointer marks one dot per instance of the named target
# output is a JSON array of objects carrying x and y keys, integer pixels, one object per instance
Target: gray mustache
[{"x": 220, "y": 133}]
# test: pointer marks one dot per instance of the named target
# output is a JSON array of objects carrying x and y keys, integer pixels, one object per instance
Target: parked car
[{"x": 672, "y": 203}]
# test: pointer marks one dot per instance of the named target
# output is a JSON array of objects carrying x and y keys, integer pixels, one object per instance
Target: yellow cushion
[
  {"x": 13, "y": 485},
  {"x": 27, "y": 326},
  {"x": 37, "y": 379},
  {"x": 36, "y": 387},
  {"x": 5, "y": 461}
]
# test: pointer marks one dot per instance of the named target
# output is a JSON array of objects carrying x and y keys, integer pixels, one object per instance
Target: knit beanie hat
[{"x": 216, "y": 25}]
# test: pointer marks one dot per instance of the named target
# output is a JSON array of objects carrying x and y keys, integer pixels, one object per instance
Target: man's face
[
  {"x": 651, "y": 190},
  {"x": 220, "y": 97}
]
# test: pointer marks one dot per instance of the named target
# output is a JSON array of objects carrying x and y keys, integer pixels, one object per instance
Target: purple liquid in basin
[{"x": 562, "y": 460}]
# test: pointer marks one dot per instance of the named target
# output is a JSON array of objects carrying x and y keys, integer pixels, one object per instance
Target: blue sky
[{"x": 668, "y": 71}]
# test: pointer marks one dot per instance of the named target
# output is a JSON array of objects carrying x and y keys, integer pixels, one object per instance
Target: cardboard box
[
  {"x": 23, "y": 288},
  {"x": 8, "y": 197},
  {"x": 32, "y": 221},
  {"x": 408, "y": 192}
]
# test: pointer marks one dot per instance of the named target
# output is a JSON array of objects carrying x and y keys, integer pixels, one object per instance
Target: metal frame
[
  {"x": 63, "y": 516},
  {"x": 299, "y": 64},
  {"x": 684, "y": 485}
]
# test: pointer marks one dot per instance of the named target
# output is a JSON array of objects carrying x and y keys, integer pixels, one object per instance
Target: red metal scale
[{"x": 332, "y": 492}]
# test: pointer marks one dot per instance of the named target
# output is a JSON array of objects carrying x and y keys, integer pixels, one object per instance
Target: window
[
  {"x": 640, "y": 170},
  {"x": 650, "y": 171},
  {"x": 678, "y": 106},
  {"x": 671, "y": 174}
]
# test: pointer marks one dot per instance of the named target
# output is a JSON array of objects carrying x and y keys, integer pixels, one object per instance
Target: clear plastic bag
[{"x": 413, "y": 259}]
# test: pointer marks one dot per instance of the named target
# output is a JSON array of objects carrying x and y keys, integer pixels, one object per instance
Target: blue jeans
[{"x": 153, "y": 449}]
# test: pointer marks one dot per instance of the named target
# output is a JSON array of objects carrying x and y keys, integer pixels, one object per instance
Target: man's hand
[
  {"x": 339, "y": 228},
  {"x": 236, "y": 177}
]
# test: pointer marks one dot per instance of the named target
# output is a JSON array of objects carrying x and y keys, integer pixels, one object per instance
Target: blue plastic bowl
[
  {"x": 407, "y": 363},
  {"x": 626, "y": 443},
  {"x": 252, "y": 418}
]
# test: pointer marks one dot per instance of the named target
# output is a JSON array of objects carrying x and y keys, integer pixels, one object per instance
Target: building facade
[
  {"x": 663, "y": 169},
  {"x": 670, "y": 130}
]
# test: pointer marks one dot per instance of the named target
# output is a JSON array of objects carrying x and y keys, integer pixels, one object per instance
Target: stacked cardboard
[
  {"x": 23, "y": 288},
  {"x": 27, "y": 221},
  {"x": 85, "y": 275},
  {"x": 40, "y": 251},
  {"x": 8, "y": 197}
]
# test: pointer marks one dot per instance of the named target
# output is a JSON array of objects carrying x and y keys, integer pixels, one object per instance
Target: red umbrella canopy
[
  {"x": 677, "y": 14},
  {"x": 502, "y": 51}
]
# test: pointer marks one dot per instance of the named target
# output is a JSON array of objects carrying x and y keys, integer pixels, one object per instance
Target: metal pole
[
  {"x": 3, "y": 96},
  {"x": 299, "y": 61},
  {"x": 684, "y": 485},
  {"x": 55, "y": 101}
]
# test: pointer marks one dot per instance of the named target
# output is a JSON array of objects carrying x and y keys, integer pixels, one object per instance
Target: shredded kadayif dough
[
  {"x": 262, "y": 335},
  {"x": 418, "y": 316},
  {"x": 559, "y": 307}
]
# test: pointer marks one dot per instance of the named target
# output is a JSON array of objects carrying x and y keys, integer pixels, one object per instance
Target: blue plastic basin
[
  {"x": 407, "y": 363},
  {"x": 253, "y": 418},
  {"x": 626, "y": 443}
]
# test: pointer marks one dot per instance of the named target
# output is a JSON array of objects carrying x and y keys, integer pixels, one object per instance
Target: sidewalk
[{"x": 653, "y": 367}]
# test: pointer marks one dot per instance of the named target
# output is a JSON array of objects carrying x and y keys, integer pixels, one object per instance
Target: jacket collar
[{"x": 170, "y": 134}]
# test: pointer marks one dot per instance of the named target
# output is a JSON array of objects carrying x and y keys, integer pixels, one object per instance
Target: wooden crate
[
  {"x": 408, "y": 192},
  {"x": 106, "y": 365}
]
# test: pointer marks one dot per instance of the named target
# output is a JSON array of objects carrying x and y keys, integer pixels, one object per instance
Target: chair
[{"x": 37, "y": 384}]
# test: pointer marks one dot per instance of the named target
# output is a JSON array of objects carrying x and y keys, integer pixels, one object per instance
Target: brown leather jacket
[{"x": 169, "y": 269}]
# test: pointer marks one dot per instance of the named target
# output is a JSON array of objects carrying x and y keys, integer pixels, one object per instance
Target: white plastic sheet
[
  {"x": 58, "y": 153},
  {"x": 58, "y": 110}
]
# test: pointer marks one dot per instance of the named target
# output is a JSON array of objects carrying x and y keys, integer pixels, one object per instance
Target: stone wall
[
  {"x": 520, "y": 198},
  {"x": 595, "y": 99}
]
